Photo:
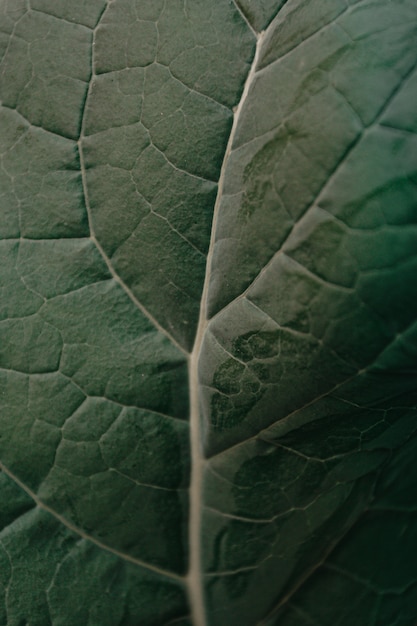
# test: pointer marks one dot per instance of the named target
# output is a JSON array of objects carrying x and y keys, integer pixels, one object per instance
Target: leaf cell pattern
[{"x": 207, "y": 325}]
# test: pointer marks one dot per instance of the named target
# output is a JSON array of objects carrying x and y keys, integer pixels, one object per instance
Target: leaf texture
[{"x": 208, "y": 327}]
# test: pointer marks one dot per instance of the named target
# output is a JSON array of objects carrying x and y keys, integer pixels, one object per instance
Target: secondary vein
[
  {"x": 93, "y": 236},
  {"x": 78, "y": 531}
]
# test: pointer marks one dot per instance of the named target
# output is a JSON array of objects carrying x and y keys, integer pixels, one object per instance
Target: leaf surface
[{"x": 207, "y": 325}]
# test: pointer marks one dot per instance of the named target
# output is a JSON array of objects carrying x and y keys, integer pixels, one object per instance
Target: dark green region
[{"x": 50, "y": 576}]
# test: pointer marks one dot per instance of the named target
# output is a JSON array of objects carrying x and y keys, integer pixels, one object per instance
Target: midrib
[{"x": 194, "y": 577}]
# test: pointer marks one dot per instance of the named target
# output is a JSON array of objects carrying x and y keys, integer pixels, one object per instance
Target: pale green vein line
[
  {"x": 361, "y": 136},
  {"x": 333, "y": 21},
  {"x": 335, "y": 569},
  {"x": 244, "y": 17},
  {"x": 93, "y": 237},
  {"x": 232, "y": 572},
  {"x": 330, "y": 392},
  {"x": 173, "y": 165},
  {"x": 78, "y": 531},
  {"x": 123, "y": 405},
  {"x": 146, "y": 485},
  {"x": 30, "y": 124},
  {"x": 194, "y": 90},
  {"x": 61, "y": 19},
  {"x": 194, "y": 576},
  {"x": 308, "y": 573}
]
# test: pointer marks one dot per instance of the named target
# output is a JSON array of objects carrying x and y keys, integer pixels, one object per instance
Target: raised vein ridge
[
  {"x": 93, "y": 237},
  {"x": 78, "y": 531},
  {"x": 194, "y": 576}
]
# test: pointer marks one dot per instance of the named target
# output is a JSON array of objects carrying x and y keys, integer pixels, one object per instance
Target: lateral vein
[
  {"x": 93, "y": 236},
  {"x": 78, "y": 531}
]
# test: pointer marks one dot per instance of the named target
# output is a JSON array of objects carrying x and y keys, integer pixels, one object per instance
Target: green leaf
[{"x": 208, "y": 337}]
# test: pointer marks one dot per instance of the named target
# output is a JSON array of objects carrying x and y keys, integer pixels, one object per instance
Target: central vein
[{"x": 195, "y": 574}]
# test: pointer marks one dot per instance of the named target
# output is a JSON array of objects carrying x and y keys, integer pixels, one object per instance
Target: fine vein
[
  {"x": 194, "y": 576},
  {"x": 93, "y": 237},
  {"x": 84, "y": 535},
  {"x": 362, "y": 134}
]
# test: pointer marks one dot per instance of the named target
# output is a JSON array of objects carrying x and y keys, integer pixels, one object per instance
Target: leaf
[{"x": 207, "y": 335}]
